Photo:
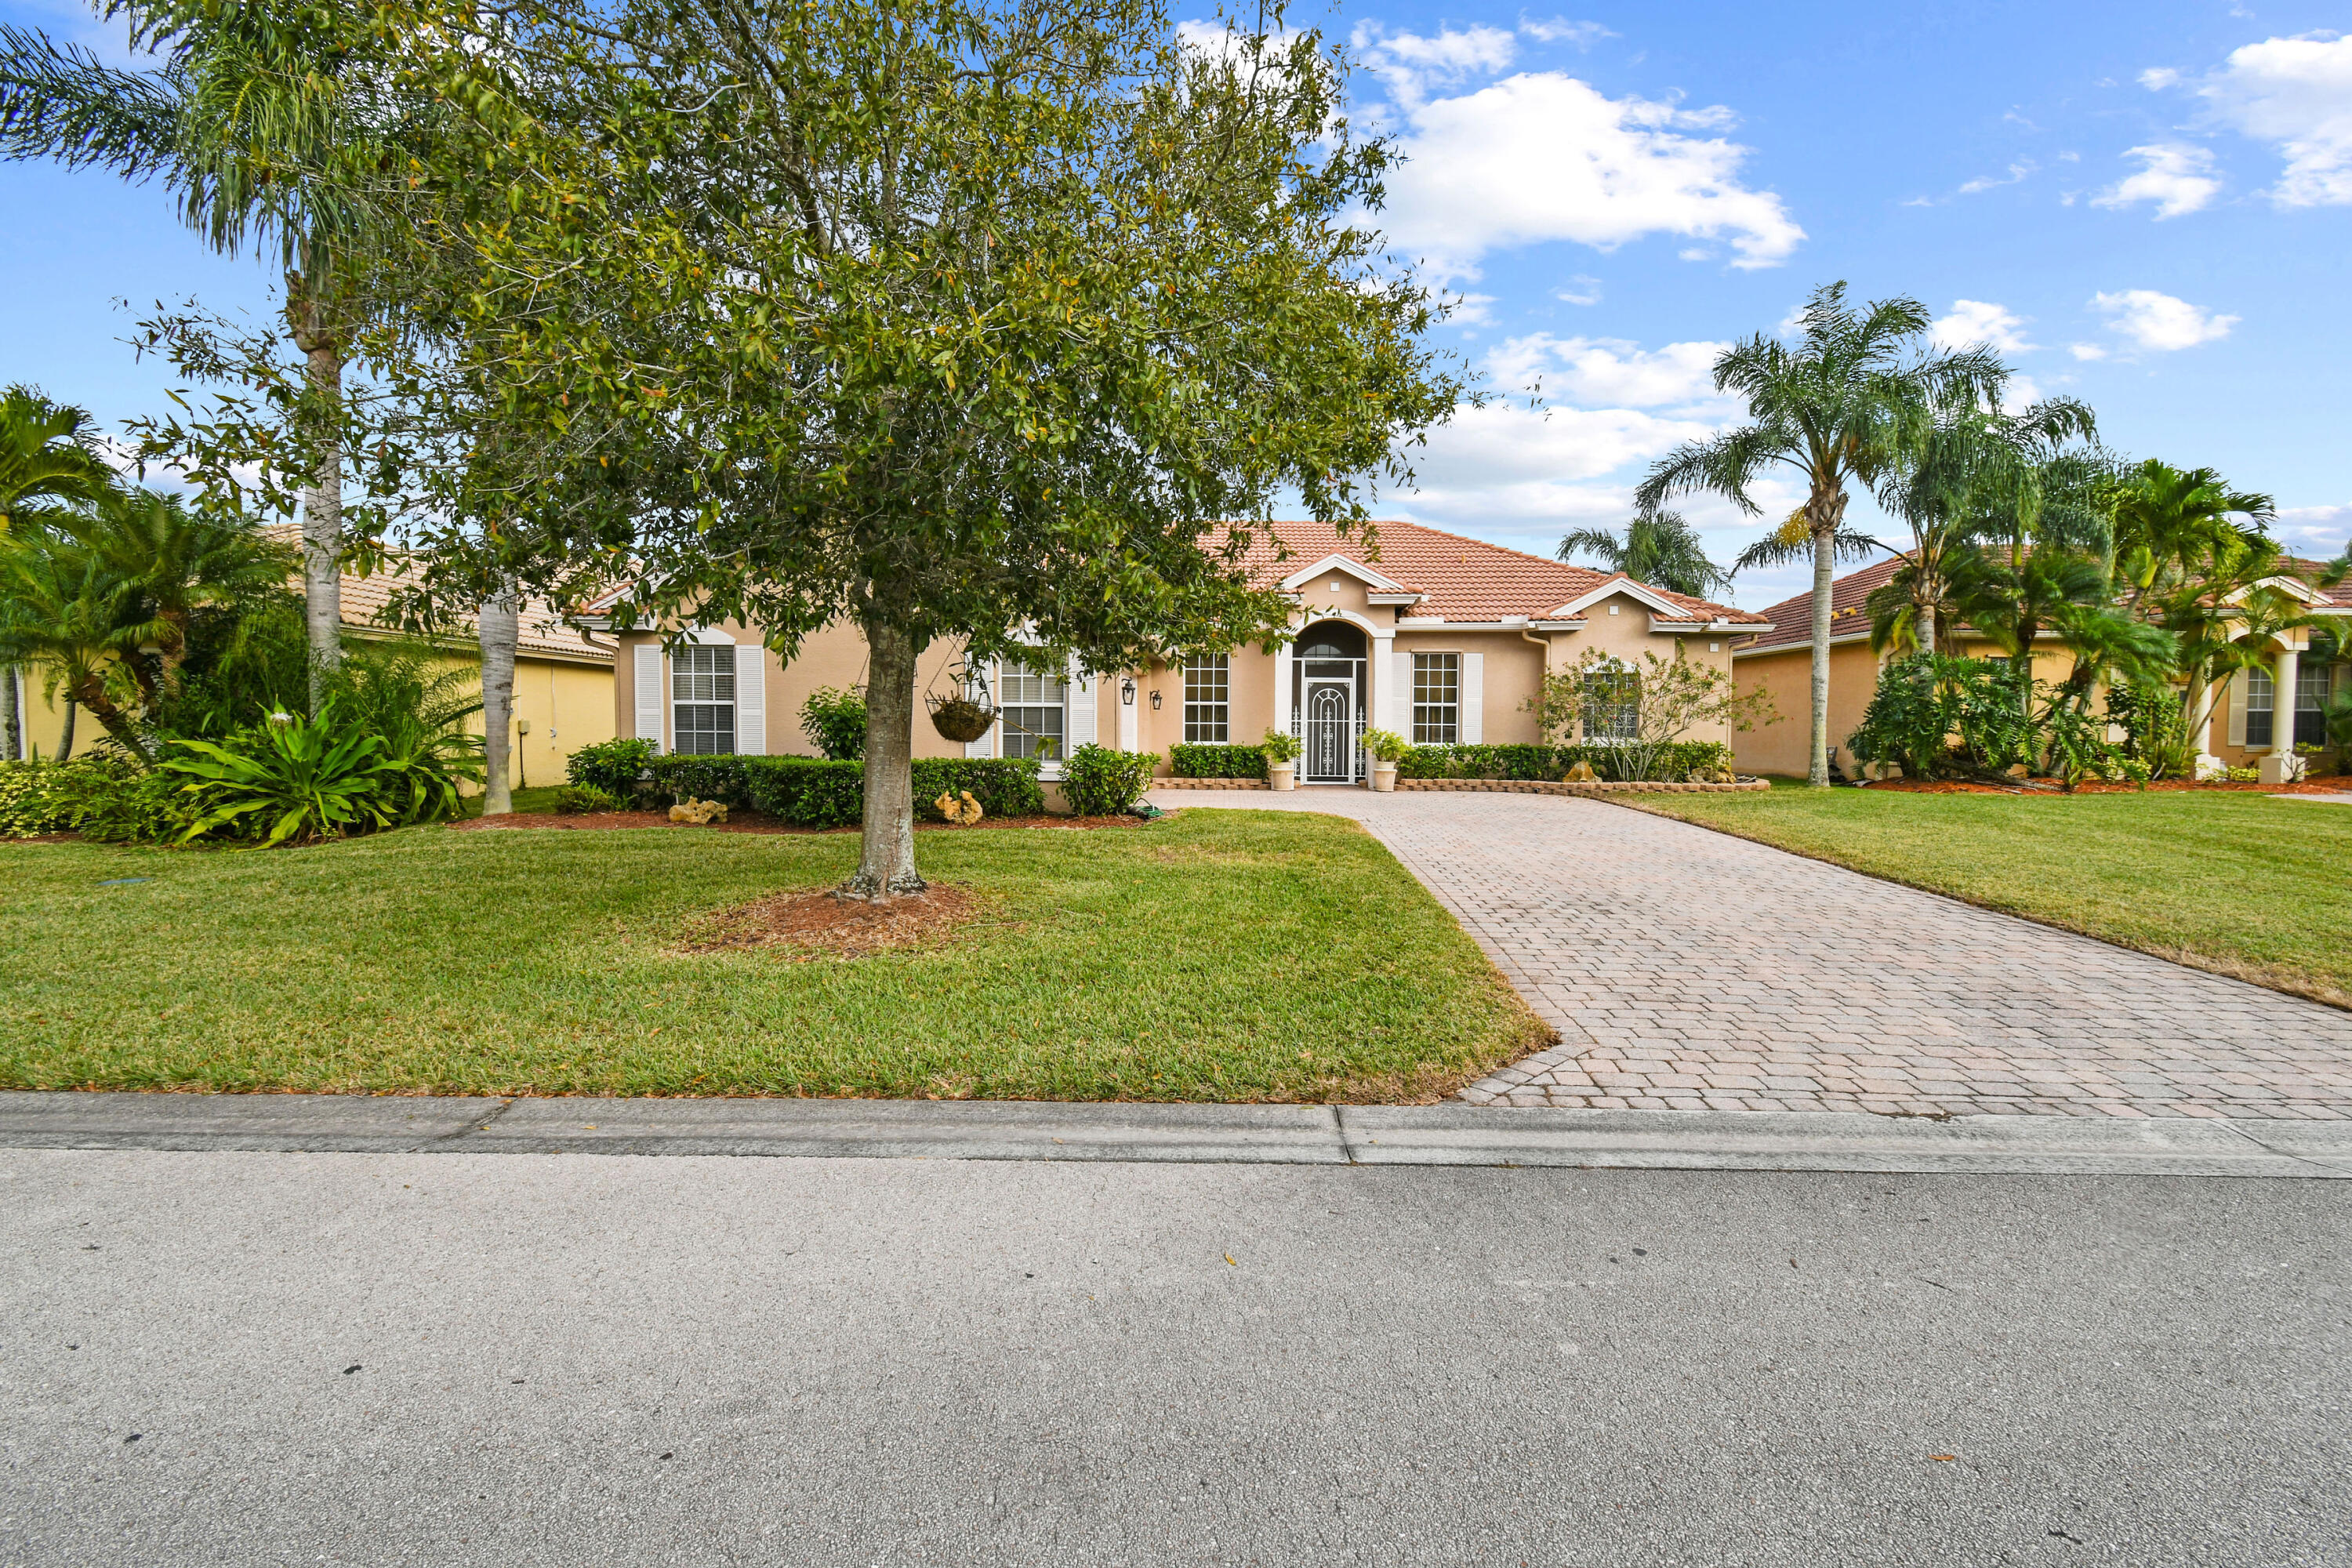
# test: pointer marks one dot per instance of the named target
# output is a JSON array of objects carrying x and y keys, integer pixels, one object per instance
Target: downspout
[{"x": 1543, "y": 642}]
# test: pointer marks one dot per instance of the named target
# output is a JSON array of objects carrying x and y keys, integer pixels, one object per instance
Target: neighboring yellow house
[
  {"x": 2245, "y": 731},
  {"x": 1441, "y": 640},
  {"x": 564, "y": 684}
]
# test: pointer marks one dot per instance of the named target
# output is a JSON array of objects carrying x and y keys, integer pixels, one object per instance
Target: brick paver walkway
[{"x": 1688, "y": 970}]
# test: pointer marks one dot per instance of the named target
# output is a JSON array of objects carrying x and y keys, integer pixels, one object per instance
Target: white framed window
[
  {"x": 702, "y": 700},
  {"x": 1030, "y": 703},
  {"x": 1437, "y": 699},
  {"x": 1208, "y": 699},
  {"x": 2311, "y": 683},
  {"x": 1612, "y": 705},
  {"x": 2261, "y": 707}
]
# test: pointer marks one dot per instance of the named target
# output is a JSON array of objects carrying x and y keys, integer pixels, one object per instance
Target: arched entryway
[{"x": 1330, "y": 680}]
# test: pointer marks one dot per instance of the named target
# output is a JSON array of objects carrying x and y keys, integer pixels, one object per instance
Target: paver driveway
[{"x": 1688, "y": 970}]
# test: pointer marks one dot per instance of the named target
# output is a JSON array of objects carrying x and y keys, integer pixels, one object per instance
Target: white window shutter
[
  {"x": 2237, "y": 698},
  {"x": 1472, "y": 729},
  {"x": 986, "y": 745},
  {"x": 750, "y": 699},
  {"x": 1078, "y": 709},
  {"x": 649, "y": 693}
]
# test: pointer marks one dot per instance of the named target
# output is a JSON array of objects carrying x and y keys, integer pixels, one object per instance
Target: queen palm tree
[
  {"x": 1659, "y": 548},
  {"x": 46, "y": 458},
  {"x": 254, "y": 124},
  {"x": 1837, "y": 408}
]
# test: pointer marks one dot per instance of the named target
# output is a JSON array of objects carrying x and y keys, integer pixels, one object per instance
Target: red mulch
[
  {"x": 2045, "y": 786},
  {"x": 752, "y": 822},
  {"x": 804, "y": 925}
]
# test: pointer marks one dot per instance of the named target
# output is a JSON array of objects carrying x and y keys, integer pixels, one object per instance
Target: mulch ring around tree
[
  {"x": 752, "y": 822},
  {"x": 804, "y": 925},
  {"x": 2051, "y": 786}
]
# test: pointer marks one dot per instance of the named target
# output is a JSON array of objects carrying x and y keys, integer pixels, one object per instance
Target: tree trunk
[
  {"x": 65, "y": 736},
  {"x": 886, "y": 865},
  {"x": 15, "y": 739},
  {"x": 499, "y": 623},
  {"x": 1824, "y": 521},
  {"x": 322, "y": 500}
]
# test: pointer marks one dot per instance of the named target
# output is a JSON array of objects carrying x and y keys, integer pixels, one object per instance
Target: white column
[
  {"x": 1283, "y": 716},
  {"x": 1384, "y": 681},
  {"x": 2282, "y": 764}
]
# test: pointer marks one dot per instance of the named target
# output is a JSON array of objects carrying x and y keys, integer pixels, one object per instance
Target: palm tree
[
  {"x": 1963, "y": 480},
  {"x": 1659, "y": 549},
  {"x": 1838, "y": 408},
  {"x": 46, "y": 456},
  {"x": 61, "y": 609},
  {"x": 254, "y": 126}
]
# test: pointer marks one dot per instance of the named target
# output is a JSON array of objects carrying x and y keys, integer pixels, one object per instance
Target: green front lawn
[
  {"x": 1212, "y": 955},
  {"x": 2240, "y": 883}
]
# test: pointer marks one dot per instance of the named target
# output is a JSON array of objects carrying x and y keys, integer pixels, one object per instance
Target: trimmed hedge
[
  {"x": 1199, "y": 762},
  {"x": 612, "y": 767},
  {"x": 1676, "y": 762},
  {"x": 810, "y": 792},
  {"x": 1100, "y": 782}
]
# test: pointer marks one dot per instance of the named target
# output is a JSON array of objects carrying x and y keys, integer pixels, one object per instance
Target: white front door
[{"x": 1330, "y": 732}]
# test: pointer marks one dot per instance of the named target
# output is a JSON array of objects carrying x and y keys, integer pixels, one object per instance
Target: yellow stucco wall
[{"x": 567, "y": 705}]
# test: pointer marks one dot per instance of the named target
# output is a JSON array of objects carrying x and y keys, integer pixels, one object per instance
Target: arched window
[{"x": 1331, "y": 639}]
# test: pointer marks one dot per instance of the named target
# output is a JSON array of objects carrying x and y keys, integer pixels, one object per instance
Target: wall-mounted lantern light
[
  {"x": 1155, "y": 702},
  {"x": 1127, "y": 691}
]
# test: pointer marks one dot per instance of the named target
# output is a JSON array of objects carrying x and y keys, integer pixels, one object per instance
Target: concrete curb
[{"x": 1187, "y": 1134}]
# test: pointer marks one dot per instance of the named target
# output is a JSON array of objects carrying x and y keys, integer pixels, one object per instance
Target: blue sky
[{"x": 2146, "y": 206}]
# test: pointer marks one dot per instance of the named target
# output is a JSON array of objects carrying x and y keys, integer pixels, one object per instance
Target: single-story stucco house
[
  {"x": 2245, "y": 731},
  {"x": 562, "y": 688},
  {"x": 1437, "y": 637}
]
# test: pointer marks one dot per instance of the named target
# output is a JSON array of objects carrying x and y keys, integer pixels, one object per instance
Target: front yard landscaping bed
[
  {"x": 2222, "y": 880},
  {"x": 1210, "y": 955}
]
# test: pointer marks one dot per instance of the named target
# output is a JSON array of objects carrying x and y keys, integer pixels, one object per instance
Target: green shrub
[
  {"x": 807, "y": 792},
  {"x": 834, "y": 719},
  {"x": 613, "y": 766},
  {"x": 1103, "y": 782},
  {"x": 580, "y": 800},
  {"x": 814, "y": 792},
  {"x": 690, "y": 777},
  {"x": 1203, "y": 761},
  {"x": 1281, "y": 747},
  {"x": 1675, "y": 761},
  {"x": 298, "y": 779},
  {"x": 1005, "y": 787},
  {"x": 1941, "y": 717},
  {"x": 1386, "y": 745},
  {"x": 31, "y": 803},
  {"x": 110, "y": 800}
]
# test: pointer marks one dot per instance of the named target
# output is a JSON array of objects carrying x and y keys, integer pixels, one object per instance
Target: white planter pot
[
  {"x": 1282, "y": 776},
  {"x": 1384, "y": 776}
]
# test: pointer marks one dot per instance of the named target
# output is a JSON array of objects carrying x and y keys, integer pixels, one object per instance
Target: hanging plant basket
[
  {"x": 967, "y": 713},
  {"x": 961, "y": 719}
]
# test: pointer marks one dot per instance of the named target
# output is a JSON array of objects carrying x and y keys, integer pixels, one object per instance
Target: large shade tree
[
  {"x": 269, "y": 130},
  {"x": 1833, "y": 408},
  {"x": 954, "y": 320}
]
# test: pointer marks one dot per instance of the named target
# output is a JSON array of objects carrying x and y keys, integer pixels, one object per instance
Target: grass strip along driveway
[
  {"x": 2236, "y": 883},
  {"x": 1211, "y": 955}
]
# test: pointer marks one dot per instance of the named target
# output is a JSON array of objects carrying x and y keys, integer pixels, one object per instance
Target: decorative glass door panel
[{"x": 1331, "y": 732}]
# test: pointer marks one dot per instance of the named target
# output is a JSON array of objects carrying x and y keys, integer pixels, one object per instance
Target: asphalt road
[{"x": 258, "y": 1358}]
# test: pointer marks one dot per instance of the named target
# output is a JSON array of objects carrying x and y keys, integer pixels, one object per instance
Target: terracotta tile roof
[
  {"x": 2339, "y": 595},
  {"x": 1792, "y": 618},
  {"x": 1461, "y": 579},
  {"x": 544, "y": 631}
]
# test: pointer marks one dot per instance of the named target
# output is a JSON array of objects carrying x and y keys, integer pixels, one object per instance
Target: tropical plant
[
  {"x": 49, "y": 457},
  {"x": 1659, "y": 548},
  {"x": 1941, "y": 716},
  {"x": 263, "y": 124},
  {"x": 1965, "y": 478},
  {"x": 580, "y": 800},
  {"x": 1099, "y": 781},
  {"x": 1280, "y": 747},
  {"x": 1838, "y": 407},
  {"x": 397, "y": 692},
  {"x": 291, "y": 777},
  {"x": 1642, "y": 708},
  {"x": 1386, "y": 745},
  {"x": 834, "y": 719},
  {"x": 63, "y": 611}
]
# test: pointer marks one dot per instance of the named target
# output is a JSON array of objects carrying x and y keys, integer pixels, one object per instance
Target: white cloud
[
  {"x": 1411, "y": 66},
  {"x": 2320, "y": 532},
  {"x": 2295, "y": 93},
  {"x": 1472, "y": 311},
  {"x": 2158, "y": 322},
  {"x": 1598, "y": 372},
  {"x": 2022, "y": 393},
  {"x": 2087, "y": 351},
  {"x": 2177, "y": 177},
  {"x": 1543, "y": 156},
  {"x": 1976, "y": 321},
  {"x": 2017, "y": 172},
  {"x": 1580, "y": 289},
  {"x": 1560, "y": 30}
]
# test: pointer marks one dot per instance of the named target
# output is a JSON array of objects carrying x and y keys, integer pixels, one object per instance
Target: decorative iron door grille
[{"x": 1331, "y": 732}]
